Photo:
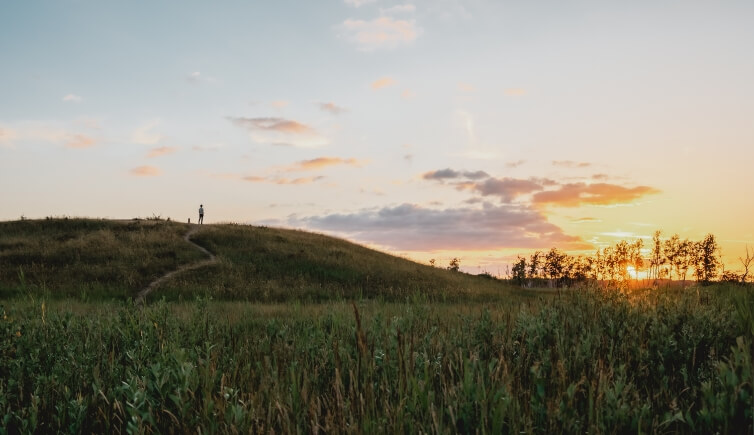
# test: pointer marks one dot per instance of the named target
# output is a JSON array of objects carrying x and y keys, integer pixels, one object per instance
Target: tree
[
  {"x": 707, "y": 262},
  {"x": 655, "y": 259},
  {"x": 746, "y": 262},
  {"x": 454, "y": 264},
  {"x": 637, "y": 261},
  {"x": 554, "y": 264},
  {"x": 534, "y": 264},
  {"x": 519, "y": 270}
]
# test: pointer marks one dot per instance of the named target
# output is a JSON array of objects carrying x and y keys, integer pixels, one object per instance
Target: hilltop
[{"x": 95, "y": 258}]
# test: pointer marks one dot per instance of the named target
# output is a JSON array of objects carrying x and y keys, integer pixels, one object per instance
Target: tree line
[{"x": 671, "y": 259}]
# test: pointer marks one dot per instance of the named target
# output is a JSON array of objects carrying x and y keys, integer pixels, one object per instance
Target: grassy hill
[{"x": 116, "y": 259}]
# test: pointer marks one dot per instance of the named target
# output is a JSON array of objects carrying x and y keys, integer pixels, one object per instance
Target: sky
[{"x": 475, "y": 129}]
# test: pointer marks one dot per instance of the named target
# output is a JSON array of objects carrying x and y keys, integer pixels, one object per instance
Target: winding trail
[{"x": 139, "y": 300}]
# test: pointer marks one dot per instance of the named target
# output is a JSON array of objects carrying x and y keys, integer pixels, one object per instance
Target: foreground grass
[{"x": 591, "y": 360}]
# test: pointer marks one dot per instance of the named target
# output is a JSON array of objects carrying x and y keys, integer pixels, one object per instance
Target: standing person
[{"x": 201, "y": 213}]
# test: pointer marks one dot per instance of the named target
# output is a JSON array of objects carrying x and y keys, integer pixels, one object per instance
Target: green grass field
[{"x": 298, "y": 332}]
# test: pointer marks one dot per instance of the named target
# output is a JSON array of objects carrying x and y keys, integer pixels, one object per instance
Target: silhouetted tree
[
  {"x": 637, "y": 261},
  {"x": 746, "y": 262},
  {"x": 455, "y": 264},
  {"x": 707, "y": 262},
  {"x": 519, "y": 270},
  {"x": 656, "y": 258},
  {"x": 554, "y": 264},
  {"x": 534, "y": 264}
]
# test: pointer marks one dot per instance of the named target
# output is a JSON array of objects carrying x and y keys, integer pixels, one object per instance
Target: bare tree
[{"x": 746, "y": 262}]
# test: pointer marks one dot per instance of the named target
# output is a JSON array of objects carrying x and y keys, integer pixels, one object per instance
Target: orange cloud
[
  {"x": 332, "y": 108},
  {"x": 381, "y": 33},
  {"x": 382, "y": 83},
  {"x": 576, "y": 194},
  {"x": 145, "y": 171},
  {"x": 79, "y": 141},
  {"x": 161, "y": 151},
  {"x": 274, "y": 180},
  {"x": 570, "y": 164},
  {"x": 322, "y": 162},
  {"x": 279, "y": 125},
  {"x": 279, "y": 104}
]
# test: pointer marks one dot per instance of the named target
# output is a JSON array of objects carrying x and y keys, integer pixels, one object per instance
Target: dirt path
[{"x": 154, "y": 284}]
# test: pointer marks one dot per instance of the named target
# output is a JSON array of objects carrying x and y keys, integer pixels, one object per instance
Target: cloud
[
  {"x": 280, "y": 131},
  {"x": 280, "y": 104},
  {"x": 145, "y": 136},
  {"x": 585, "y": 220},
  {"x": 380, "y": 33},
  {"x": 322, "y": 162},
  {"x": 515, "y": 164},
  {"x": 507, "y": 189},
  {"x": 197, "y": 77},
  {"x": 161, "y": 151},
  {"x": 358, "y": 3},
  {"x": 332, "y": 108},
  {"x": 278, "y": 180},
  {"x": 411, "y": 227},
  {"x": 515, "y": 92},
  {"x": 576, "y": 194},
  {"x": 79, "y": 141},
  {"x": 408, "y": 94},
  {"x": 72, "y": 98},
  {"x": 399, "y": 9},
  {"x": 7, "y": 136},
  {"x": 465, "y": 87},
  {"x": 448, "y": 174},
  {"x": 382, "y": 83},
  {"x": 600, "y": 177},
  {"x": 279, "y": 125},
  {"x": 145, "y": 171},
  {"x": 570, "y": 164}
]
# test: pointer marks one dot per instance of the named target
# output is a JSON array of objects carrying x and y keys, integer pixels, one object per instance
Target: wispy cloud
[
  {"x": 507, "y": 189},
  {"x": 161, "y": 151},
  {"x": 585, "y": 220},
  {"x": 7, "y": 136},
  {"x": 332, "y": 108},
  {"x": 280, "y": 131},
  {"x": 358, "y": 3},
  {"x": 600, "y": 177},
  {"x": 466, "y": 87},
  {"x": 145, "y": 171},
  {"x": 576, "y": 194},
  {"x": 515, "y": 164},
  {"x": 72, "y": 98},
  {"x": 449, "y": 174},
  {"x": 399, "y": 9},
  {"x": 80, "y": 141},
  {"x": 416, "y": 228},
  {"x": 322, "y": 162},
  {"x": 279, "y": 104},
  {"x": 382, "y": 82},
  {"x": 408, "y": 94},
  {"x": 384, "y": 32},
  {"x": 515, "y": 92},
  {"x": 570, "y": 164},
  {"x": 197, "y": 77},
  {"x": 145, "y": 134},
  {"x": 282, "y": 180}
]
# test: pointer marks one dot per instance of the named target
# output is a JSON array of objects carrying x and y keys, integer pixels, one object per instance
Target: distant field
[{"x": 297, "y": 332}]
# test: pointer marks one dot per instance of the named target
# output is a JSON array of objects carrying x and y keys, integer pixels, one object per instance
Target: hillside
[{"x": 89, "y": 258}]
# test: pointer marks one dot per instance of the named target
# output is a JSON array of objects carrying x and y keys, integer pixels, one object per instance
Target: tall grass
[{"x": 590, "y": 361}]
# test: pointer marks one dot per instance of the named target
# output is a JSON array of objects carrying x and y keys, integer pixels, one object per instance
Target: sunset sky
[{"x": 476, "y": 129}]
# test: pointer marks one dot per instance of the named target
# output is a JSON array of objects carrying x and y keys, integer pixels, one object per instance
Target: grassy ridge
[
  {"x": 88, "y": 258},
  {"x": 590, "y": 361},
  {"x": 112, "y": 259}
]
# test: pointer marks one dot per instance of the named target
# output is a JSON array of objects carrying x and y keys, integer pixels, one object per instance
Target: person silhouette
[{"x": 201, "y": 213}]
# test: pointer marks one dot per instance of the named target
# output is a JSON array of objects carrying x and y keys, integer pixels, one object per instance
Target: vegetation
[
  {"x": 107, "y": 259},
  {"x": 362, "y": 342}
]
